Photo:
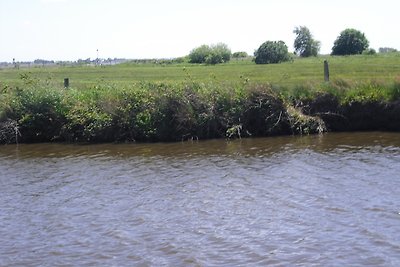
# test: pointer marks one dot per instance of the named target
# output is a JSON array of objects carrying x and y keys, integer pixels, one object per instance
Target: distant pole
[
  {"x": 66, "y": 83},
  {"x": 326, "y": 70},
  {"x": 97, "y": 60}
]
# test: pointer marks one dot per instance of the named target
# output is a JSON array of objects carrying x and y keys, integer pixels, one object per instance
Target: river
[{"x": 323, "y": 200}]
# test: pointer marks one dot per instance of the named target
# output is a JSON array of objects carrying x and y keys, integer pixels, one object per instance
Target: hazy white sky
[{"x": 73, "y": 29}]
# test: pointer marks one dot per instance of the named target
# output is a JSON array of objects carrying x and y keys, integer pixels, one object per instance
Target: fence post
[
  {"x": 66, "y": 82},
  {"x": 326, "y": 70}
]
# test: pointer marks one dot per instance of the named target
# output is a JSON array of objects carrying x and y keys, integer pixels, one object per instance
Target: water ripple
[{"x": 317, "y": 201}]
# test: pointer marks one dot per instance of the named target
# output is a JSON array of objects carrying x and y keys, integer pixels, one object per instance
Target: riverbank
[{"x": 154, "y": 112}]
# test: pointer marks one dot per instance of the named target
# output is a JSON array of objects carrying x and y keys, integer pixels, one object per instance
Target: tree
[
  {"x": 304, "y": 44},
  {"x": 213, "y": 54},
  {"x": 350, "y": 42},
  {"x": 272, "y": 52}
]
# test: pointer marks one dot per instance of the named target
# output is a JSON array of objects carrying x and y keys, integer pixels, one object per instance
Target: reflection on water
[{"x": 330, "y": 200}]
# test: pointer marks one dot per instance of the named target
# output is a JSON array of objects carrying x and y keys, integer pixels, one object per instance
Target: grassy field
[
  {"x": 299, "y": 72},
  {"x": 173, "y": 102}
]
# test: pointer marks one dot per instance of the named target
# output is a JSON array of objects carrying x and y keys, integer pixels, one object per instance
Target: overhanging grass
[{"x": 150, "y": 111}]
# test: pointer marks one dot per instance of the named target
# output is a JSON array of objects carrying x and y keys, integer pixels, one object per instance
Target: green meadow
[
  {"x": 300, "y": 71},
  {"x": 164, "y": 101}
]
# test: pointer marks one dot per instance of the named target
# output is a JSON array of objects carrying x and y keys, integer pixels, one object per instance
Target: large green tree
[
  {"x": 350, "y": 42},
  {"x": 272, "y": 52},
  {"x": 304, "y": 44}
]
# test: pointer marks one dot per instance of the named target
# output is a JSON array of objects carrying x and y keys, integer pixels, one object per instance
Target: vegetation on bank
[
  {"x": 182, "y": 111},
  {"x": 193, "y": 106}
]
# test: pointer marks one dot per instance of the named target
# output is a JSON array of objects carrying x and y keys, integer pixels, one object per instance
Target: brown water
[{"x": 331, "y": 200}]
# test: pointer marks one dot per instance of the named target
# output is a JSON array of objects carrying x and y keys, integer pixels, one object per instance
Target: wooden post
[
  {"x": 326, "y": 70},
  {"x": 66, "y": 82}
]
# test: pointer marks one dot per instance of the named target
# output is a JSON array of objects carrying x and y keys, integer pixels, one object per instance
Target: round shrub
[
  {"x": 272, "y": 52},
  {"x": 350, "y": 42}
]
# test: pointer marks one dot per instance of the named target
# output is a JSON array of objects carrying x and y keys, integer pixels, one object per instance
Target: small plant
[
  {"x": 234, "y": 131},
  {"x": 304, "y": 124}
]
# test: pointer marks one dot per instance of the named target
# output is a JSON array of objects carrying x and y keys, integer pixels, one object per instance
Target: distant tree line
[
  {"x": 43, "y": 61},
  {"x": 349, "y": 42},
  {"x": 387, "y": 50}
]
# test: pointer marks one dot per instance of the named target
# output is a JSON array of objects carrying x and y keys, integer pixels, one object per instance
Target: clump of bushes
[
  {"x": 40, "y": 112},
  {"x": 210, "y": 54},
  {"x": 240, "y": 54}
]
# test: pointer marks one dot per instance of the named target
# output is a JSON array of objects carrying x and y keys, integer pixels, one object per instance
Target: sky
[{"x": 134, "y": 29}]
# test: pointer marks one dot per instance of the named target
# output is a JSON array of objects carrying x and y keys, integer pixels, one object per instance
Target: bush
[
  {"x": 350, "y": 42},
  {"x": 199, "y": 54},
  {"x": 40, "y": 113},
  {"x": 240, "y": 54},
  {"x": 369, "y": 52},
  {"x": 213, "y": 54},
  {"x": 272, "y": 52}
]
